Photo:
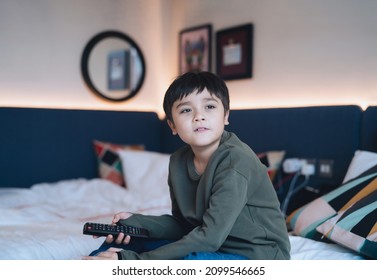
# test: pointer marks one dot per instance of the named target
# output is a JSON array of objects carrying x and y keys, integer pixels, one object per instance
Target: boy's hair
[{"x": 191, "y": 82}]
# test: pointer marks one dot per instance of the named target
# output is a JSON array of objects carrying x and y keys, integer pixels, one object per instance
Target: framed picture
[
  {"x": 118, "y": 70},
  {"x": 234, "y": 49},
  {"x": 195, "y": 49}
]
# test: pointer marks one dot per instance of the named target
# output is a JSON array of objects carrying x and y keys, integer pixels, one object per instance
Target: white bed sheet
[{"x": 45, "y": 221}]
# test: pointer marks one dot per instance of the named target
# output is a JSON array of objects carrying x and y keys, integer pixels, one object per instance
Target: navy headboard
[
  {"x": 325, "y": 132},
  {"x": 47, "y": 145},
  {"x": 369, "y": 130}
]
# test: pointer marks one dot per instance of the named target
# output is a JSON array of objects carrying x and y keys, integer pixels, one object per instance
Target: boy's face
[{"x": 199, "y": 119}]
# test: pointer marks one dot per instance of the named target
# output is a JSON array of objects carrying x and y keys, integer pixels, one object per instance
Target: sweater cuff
[{"x": 128, "y": 255}]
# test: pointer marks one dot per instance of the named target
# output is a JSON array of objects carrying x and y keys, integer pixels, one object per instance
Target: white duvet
[{"x": 45, "y": 221}]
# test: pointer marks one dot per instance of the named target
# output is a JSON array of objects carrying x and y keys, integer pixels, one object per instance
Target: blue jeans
[{"x": 142, "y": 245}]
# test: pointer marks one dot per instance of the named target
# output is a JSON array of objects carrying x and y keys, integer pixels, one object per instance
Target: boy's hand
[
  {"x": 121, "y": 239},
  {"x": 110, "y": 254},
  {"x": 121, "y": 216}
]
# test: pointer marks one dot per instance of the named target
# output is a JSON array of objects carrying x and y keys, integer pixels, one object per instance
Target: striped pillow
[
  {"x": 355, "y": 227},
  {"x": 306, "y": 219}
]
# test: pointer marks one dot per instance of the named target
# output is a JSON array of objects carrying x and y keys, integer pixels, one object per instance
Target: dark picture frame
[
  {"x": 195, "y": 45},
  {"x": 234, "y": 52},
  {"x": 118, "y": 70}
]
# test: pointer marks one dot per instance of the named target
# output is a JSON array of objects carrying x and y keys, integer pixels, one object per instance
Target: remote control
[{"x": 99, "y": 229}]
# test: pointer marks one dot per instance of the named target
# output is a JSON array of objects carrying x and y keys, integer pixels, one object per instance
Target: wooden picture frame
[
  {"x": 234, "y": 49},
  {"x": 195, "y": 45}
]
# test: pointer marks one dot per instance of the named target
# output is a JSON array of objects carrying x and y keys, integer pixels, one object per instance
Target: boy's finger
[{"x": 127, "y": 240}]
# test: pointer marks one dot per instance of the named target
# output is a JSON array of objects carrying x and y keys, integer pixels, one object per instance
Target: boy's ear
[
  {"x": 226, "y": 118},
  {"x": 172, "y": 127}
]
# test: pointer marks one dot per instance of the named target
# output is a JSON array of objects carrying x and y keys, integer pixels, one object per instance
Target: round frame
[{"x": 85, "y": 59}]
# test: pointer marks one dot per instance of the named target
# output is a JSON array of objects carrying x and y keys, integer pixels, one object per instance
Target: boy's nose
[{"x": 199, "y": 117}]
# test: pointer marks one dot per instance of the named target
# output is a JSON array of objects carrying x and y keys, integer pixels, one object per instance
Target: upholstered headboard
[
  {"x": 46, "y": 145},
  {"x": 369, "y": 129},
  {"x": 326, "y": 132}
]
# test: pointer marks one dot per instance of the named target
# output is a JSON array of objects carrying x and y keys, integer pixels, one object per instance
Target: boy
[{"x": 223, "y": 203}]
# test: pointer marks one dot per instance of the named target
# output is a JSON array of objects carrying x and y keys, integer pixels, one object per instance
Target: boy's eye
[
  {"x": 186, "y": 110},
  {"x": 210, "y": 106}
]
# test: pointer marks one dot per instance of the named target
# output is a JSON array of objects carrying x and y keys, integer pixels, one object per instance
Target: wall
[
  {"x": 42, "y": 42},
  {"x": 305, "y": 52}
]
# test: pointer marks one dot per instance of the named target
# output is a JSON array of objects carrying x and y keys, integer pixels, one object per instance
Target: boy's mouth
[{"x": 200, "y": 129}]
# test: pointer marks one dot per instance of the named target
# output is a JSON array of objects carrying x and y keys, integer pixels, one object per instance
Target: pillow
[
  {"x": 361, "y": 161},
  {"x": 145, "y": 171},
  {"x": 307, "y": 218},
  {"x": 273, "y": 161},
  {"x": 355, "y": 227},
  {"x": 109, "y": 164}
]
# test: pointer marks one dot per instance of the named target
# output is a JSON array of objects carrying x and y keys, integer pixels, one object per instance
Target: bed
[{"x": 54, "y": 176}]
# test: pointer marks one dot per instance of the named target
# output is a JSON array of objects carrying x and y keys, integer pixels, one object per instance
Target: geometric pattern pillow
[
  {"x": 109, "y": 164},
  {"x": 273, "y": 161},
  {"x": 356, "y": 227},
  {"x": 307, "y": 218},
  {"x": 361, "y": 161}
]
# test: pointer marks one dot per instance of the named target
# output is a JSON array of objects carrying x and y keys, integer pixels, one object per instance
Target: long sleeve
[
  {"x": 231, "y": 208},
  {"x": 209, "y": 236}
]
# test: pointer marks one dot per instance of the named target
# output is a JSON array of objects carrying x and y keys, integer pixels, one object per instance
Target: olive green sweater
[{"x": 231, "y": 208}]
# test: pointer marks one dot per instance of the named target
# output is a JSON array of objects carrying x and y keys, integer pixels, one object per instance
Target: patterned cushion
[
  {"x": 356, "y": 226},
  {"x": 361, "y": 161},
  {"x": 307, "y": 218},
  {"x": 109, "y": 164},
  {"x": 273, "y": 161}
]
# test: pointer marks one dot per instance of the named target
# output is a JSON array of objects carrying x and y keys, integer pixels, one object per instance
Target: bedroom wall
[
  {"x": 305, "y": 52},
  {"x": 42, "y": 42}
]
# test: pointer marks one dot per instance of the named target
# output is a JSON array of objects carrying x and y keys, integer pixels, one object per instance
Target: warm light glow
[
  {"x": 252, "y": 102},
  {"x": 160, "y": 112}
]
